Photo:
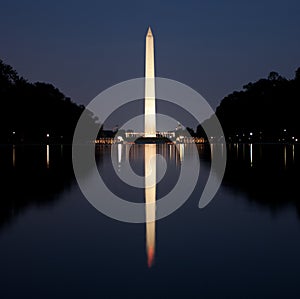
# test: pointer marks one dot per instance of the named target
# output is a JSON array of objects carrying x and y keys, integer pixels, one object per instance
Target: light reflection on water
[
  {"x": 251, "y": 154},
  {"x": 244, "y": 242},
  {"x": 48, "y": 156},
  {"x": 150, "y": 198},
  {"x": 14, "y": 155}
]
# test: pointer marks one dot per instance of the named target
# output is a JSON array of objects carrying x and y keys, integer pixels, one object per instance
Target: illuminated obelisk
[{"x": 150, "y": 119}]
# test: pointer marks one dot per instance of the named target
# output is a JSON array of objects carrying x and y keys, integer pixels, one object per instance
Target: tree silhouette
[
  {"x": 37, "y": 112},
  {"x": 265, "y": 109}
]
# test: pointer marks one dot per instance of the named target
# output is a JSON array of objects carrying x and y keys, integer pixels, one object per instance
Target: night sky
[{"x": 215, "y": 47}]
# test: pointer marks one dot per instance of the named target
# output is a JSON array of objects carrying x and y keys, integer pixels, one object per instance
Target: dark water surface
[{"x": 244, "y": 244}]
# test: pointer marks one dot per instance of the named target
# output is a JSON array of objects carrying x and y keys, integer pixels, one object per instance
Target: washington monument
[
  {"x": 150, "y": 119},
  {"x": 150, "y": 149}
]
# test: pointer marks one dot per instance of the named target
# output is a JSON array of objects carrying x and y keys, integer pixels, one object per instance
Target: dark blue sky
[{"x": 83, "y": 47}]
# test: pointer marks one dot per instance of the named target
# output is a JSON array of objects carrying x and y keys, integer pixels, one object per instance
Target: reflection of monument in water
[
  {"x": 146, "y": 154},
  {"x": 150, "y": 198}
]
